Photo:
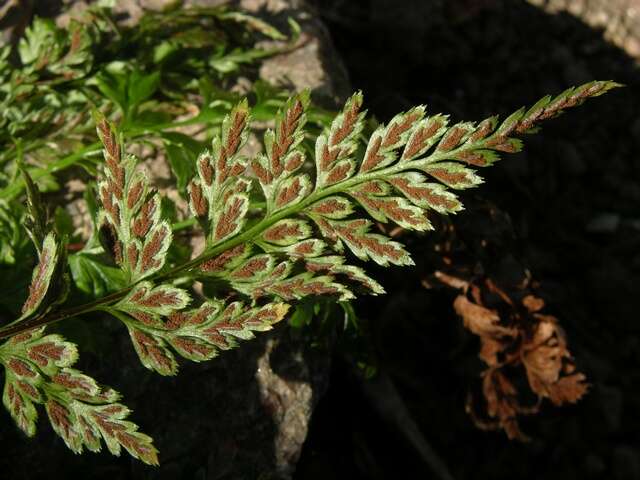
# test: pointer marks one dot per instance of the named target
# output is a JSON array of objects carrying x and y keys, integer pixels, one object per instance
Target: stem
[
  {"x": 184, "y": 224},
  {"x": 16, "y": 187},
  {"x": 16, "y": 328},
  {"x": 246, "y": 237}
]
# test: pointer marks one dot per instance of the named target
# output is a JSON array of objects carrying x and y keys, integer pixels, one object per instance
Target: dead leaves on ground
[{"x": 515, "y": 338}]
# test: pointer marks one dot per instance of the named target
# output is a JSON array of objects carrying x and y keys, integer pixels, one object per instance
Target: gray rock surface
[{"x": 619, "y": 19}]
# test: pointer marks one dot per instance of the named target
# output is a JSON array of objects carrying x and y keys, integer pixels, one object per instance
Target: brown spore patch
[
  {"x": 251, "y": 267},
  {"x": 235, "y": 132},
  {"x": 472, "y": 158},
  {"x": 145, "y": 318},
  {"x": 39, "y": 284},
  {"x": 282, "y": 231},
  {"x": 153, "y": 248},
  {"x": 294, "y": 162},
  {"x": 73, "y": 382},
  {"x": 21, "y": 368},
  {"x": 134, "y": 194},
  {"x": 218, "y": 263},
  {"x": 348, "y": 123},
  {"x": 450, "y": 178},
  {"x": 482, "y": 131},
  {"x": 28, "y": 389},
  {"x": 305, "y": 248},
  {"x": 339, "y": 172},
  {"x": 373, "y": 158},
  {"x": 395, "y": 130},
  {"x": 192, "y": 347},
  {"x": 45, "y": 352},
  {"x": 59, "y": 417},
  {"x": 143, "y": 222},
  {"x": 289, "y": 193},
  {"x": 132, "y": 255},
  {"x": 330, "y": 206},
  {"x": 198, "y": 201},
  {"x": 228, "y": 221},
  {"x": 160, "y": 298},
  {"x": 216, "y": 338},
  {"x": 206, "y": 170},
  {"x": 427, "y": 194},
  {"x": 451, "y": 139},
  {"x": 262, "y": 173},
  {"x": 328, "y": 157}
]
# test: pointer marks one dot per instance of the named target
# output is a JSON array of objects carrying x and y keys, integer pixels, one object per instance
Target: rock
[
  {"x": 620, "y": 19},
  {"x": 604, "y": 223}
]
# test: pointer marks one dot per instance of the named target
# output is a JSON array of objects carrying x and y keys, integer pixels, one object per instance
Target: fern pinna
[{"x": 279, "y": 228}]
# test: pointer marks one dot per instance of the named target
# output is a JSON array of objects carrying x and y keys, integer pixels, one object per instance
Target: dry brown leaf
[
  {"x": 546, "y": 358},
  {"x": 490, "y": 348},
  {"x": 522, "y": 338},
  {"x": 533, "y": 303},
  {"x": 502, "y": 402},
  {"x": 480, "y": 320},
  {"x": 516, "y": 339},
  {"x": 450, "y": 280},
  {"x": 569, "y": 389}
]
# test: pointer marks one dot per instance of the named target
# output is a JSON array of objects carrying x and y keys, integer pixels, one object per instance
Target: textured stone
[{"x": 619, "y": 19}]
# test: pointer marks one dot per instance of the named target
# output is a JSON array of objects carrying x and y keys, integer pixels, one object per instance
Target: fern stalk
[
  {"x": 255, "y": 231},
  {"x": 296, "y": 250}
]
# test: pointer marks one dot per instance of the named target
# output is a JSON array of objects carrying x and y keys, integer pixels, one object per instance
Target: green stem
[
  {"x": 248, "y": 236},
  {"x": 184, "y": 224},
  {"x": 16, "y": 187}
]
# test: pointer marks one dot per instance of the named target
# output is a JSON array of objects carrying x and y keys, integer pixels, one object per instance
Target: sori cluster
[{"x": 281, "y": 226}]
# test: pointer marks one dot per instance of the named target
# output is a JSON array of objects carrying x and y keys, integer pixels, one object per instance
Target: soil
[{"x": 572, "y": 203}]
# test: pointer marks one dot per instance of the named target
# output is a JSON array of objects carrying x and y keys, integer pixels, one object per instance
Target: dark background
[{"x": 573, "y": 205}]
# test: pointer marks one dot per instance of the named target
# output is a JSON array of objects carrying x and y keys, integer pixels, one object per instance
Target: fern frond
[
  {"x": 298, "y": 248},
  {"x": 131, "y": 229},
  {"x": 298, "y": 243},
  {"x": 197, "y": 334},
  {"x": 219, "y": 198},
  {"x": 38, "y": 371}
]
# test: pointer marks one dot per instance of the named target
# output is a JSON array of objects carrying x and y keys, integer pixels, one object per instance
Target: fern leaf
[
  {"x": 49, "y": 282},
  {"x": 283, "y": 156},
  {"x": 196, "y": 334},
  {"x": 38, "y": 372},
  {"x": 43, "y": 275},
  {"x": 410, "y": 167},
  {"x": 297, "y": 245},
  {"x": 131, "y": 229},
  {"x": 219, "y": 197}
]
